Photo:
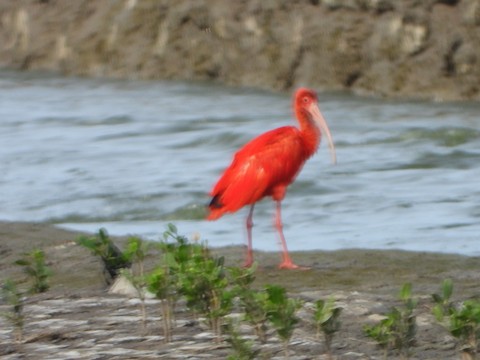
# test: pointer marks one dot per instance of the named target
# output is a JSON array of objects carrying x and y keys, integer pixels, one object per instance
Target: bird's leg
[
  {"x": 249, "y": 223},
  {"x": 287, "y": 262}
]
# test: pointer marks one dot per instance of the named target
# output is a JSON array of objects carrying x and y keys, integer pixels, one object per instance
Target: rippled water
[{"x": 132, "y": 156}]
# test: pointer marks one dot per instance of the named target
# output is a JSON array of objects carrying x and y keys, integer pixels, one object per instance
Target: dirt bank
[
  {"x": 77, "y": 319},
  {"x": 423, "y": 49}
]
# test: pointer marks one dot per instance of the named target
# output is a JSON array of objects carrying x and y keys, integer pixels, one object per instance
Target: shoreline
[
  {"x": 340, "y": 269},
  {"x": 78, "y": 310}
]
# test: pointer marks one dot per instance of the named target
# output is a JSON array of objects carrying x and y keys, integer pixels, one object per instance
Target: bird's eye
[{"x": 305, "y": 99}]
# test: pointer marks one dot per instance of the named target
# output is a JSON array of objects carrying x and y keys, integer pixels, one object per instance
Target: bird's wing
[{"x": 272, "y": 159}]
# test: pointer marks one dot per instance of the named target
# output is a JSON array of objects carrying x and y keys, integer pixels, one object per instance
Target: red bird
[{"x": 268, "y": 164}]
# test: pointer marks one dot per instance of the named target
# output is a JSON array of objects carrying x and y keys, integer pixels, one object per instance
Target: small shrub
[
  {"x": 251, "y": 301},
  {"x": 35, "y": 267},
  {"x": 281, "y": 313},
  {"x": 204, "y": 284},
  {"x": 463, "y": 321},
  {"x": 200, "y": 278},
  {"x": 398, "y": 329},
  {"x": 136, "y": 252},
  {"x": 465, "y": 326},
  {"x": 112, "y": 257},
  {"x": 327, "y": 320},
  {"x": 162, "y": 283},
  {"x": 442, "y": 302},
  {"x": 13, "y": 297},
  {"x": 242, "y": 348}
]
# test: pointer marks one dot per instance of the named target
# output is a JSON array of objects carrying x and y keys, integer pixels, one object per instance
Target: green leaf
[
  {"x": 447, "y": 289},
  {"x": 22, "y": 262},
  {"x": 276, "y": 294},
  {"x": 172, "y": 228},
  {"x": 406, "y": 291}
]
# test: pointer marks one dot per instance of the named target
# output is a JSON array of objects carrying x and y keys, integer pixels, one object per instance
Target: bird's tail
[{"x": 214, "y": 215}]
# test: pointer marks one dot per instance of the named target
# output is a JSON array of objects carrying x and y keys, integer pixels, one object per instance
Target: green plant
[
  {"x": 398, "y": 329},
  {"x": 281, "y": 313},
  {"x": 162, "y": 284},
  {"x": 12, "y": 296},
  {"x": 465, "y": 325},
  {"x": 204, "y": 284},
  {"x": 443, "y": 305},
  {"x": 112, "y": 257},
  {"x": 136, "y": 252},
  {"x": 252, "y": 301},
  {"x": 326, "y": 317},
  {"x": 176, "y": 256},
  {"x": 172, "y": 234},
  {"x": 35, "y": 267},
  {"x": 242, "y": 348},
  {"x": 201, "y": 278},
  {"x": 464, "y": 320}
]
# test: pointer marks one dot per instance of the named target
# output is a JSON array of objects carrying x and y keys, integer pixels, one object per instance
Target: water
[{"x": 132, "y": 156}]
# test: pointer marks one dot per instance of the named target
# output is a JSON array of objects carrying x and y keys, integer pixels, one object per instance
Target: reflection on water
[{"x": 132, "y": 156}]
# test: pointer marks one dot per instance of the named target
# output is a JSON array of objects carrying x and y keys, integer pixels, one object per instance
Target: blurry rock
[
  {"x": 398, "y": 36},
  {"x": 466, "y": 60},
  {"x": 337, "y": 4},
  {"x": 413, "y": 38},
  {"x": 471, "y": 13},
  {"x": 123, "y": 286},
  {"x": 377, "y": 5},
  {"x": 387, "y": 47}
]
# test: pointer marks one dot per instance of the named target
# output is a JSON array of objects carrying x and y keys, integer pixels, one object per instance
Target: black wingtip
[{"x": 215, "y": 203}]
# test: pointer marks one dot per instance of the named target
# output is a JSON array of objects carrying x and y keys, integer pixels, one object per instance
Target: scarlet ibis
[{"x": 266, "y": 165}]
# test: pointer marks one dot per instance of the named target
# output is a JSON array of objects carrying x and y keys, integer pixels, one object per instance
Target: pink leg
[
  {"x": 249, "y": 223},
  {"x": 287, "y": 262}
]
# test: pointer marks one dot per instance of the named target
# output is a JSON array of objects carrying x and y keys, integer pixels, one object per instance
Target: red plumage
[
  {"x": 266, "y": 165},
  {"x": 263, "y": 167}
]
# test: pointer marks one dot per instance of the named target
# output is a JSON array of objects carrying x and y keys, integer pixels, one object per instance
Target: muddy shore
[{"x": 78, "y": 317}]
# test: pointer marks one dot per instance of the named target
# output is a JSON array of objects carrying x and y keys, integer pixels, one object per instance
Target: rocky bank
[{"x": 407, "y": 48}]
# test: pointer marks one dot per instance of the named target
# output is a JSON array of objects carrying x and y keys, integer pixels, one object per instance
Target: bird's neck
[{"x": 310, "y": 132}]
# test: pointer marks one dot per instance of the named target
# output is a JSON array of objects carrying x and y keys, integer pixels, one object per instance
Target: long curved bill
[{"x": 322, "y": 124}]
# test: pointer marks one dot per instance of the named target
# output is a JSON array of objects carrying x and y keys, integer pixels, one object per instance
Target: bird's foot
[{"x": 291, "y": 266}]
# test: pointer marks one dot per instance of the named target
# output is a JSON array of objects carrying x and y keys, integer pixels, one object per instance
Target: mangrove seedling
[
  {"x": 327, "y": 320},
  {"x": 397, "y": 331},
  {"x": 112, "y": 257},
  {"x": 465, "y": 326},
  {"x": 281, "y": 313},
  {"x": 202, "y": 278},
  {"x": 13, "y": 297},
  {"x": 136, "y": 252},
  {"x": 177, "y": 257},
  {"x": 443, "y": 304},
  {"x": 252, "y": 301},
  {"x": 34, "y": 265},
  {"x": 204, "y": 284},
  {"x": 463, "y": 321},
  {"x": 163, "y": 284},
  {"x": 242, "y": 348}
]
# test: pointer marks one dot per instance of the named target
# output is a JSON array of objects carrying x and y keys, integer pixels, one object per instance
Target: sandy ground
[{"x": 364, "y": 282}]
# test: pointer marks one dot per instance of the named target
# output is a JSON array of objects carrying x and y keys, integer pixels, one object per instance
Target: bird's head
[{"x": 306, "y": 101}]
